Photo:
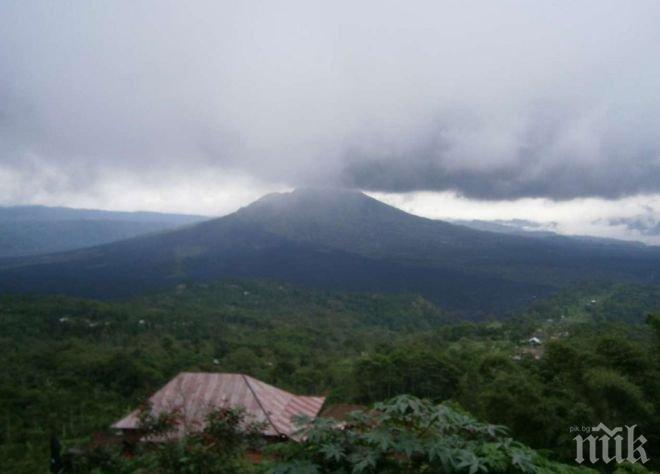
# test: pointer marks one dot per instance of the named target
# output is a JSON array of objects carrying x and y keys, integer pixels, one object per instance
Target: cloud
[
  {"x": 646, "y": 225},
  {"x": 629, "y": 218},
  {"x": 575, "y": 153},
  {"x": 490, "y": 100}
]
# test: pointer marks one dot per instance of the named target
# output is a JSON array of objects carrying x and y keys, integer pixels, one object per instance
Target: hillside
[
  {"x": 73, "y": 366},
  {"x": 33, "y": 230},
  {"x": 342, "y": 240}
]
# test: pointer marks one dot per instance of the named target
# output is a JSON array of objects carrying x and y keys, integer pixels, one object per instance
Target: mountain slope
[
  {"x": 336, "y": 239},
  {"x": 33, "y": 230},
  {"x": 356, "y": 223}
]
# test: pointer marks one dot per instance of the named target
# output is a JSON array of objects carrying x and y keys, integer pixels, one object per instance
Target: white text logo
[{"x": 610, "y": 445}]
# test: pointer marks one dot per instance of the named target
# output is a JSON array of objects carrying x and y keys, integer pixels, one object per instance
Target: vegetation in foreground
[
  {"x": 71, "y": 367},
  {"x": 402, "y": 435}
]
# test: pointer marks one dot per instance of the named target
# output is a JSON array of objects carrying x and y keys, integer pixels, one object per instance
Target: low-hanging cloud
[{"x": 493, "y": 100}]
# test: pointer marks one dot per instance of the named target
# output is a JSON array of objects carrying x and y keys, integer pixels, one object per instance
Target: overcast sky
[{"x": 547, "y": 111}]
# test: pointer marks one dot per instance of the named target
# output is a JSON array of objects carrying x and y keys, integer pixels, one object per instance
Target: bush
[{"x": 409, "y": 435}]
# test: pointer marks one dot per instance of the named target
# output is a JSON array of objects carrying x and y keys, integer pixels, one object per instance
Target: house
[
  {"x": 534, "y": 341},
  {"x": 195, "y": 395}
]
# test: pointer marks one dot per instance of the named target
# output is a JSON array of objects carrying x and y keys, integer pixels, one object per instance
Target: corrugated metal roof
[{"x": 194, "y": 395}]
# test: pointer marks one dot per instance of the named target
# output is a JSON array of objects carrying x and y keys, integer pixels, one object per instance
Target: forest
[{"x": 73, "y": 366}]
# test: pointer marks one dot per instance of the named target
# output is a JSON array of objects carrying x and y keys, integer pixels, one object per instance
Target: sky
[{"x": 541, "y": 111}]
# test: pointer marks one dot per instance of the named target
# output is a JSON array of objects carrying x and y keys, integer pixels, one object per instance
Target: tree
[
  {"x": 410, "y": 435},
  {"x": 219, "y": 448}
]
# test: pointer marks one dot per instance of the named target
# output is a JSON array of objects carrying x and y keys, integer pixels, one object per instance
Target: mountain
[
  {"x": 32, "y": 230},
  {"x": 341, "y": 240}
]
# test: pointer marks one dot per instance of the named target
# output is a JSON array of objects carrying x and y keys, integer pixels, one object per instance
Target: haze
[{"x": 474, "y": 110}]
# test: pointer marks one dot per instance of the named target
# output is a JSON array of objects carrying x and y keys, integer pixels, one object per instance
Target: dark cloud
[
  {"x": 565, "y": 155},
  {"x": 495, "y": 100},
  {"x": 646, "y": 225},
  {"x": 613, "y": 177}
]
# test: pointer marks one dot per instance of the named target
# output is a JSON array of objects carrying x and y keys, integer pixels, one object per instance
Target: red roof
[{"x": 194, "y": 395}]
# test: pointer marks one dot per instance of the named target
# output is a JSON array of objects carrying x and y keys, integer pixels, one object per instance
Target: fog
[{"x": 202, "y": 106}]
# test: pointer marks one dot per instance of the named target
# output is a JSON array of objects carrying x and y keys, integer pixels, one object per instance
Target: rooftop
[{"x": 194, "y": 395}]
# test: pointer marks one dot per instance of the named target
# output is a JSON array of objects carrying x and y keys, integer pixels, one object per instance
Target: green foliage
[
  {"x": 407, "y": 434},
  {"x": 218, "y": 448},
  {"x": 417, "y": 371},
  {"x": 72, "y": 367},
  {"x": 613, "y": 393},
  {"x": 620, "y": 302}
]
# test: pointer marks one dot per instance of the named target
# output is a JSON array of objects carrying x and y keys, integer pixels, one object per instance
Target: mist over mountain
[
  {"x": 527, "y": 228},
  {"x": 338, "y": 239},
  {"x": 32, "y": 230}
]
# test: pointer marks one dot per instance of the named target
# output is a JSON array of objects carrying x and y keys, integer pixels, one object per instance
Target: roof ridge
[{"x": 247, "y": 382}]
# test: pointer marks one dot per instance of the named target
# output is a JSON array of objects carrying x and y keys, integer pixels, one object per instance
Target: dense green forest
[{"x": 71, "y": 367}]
